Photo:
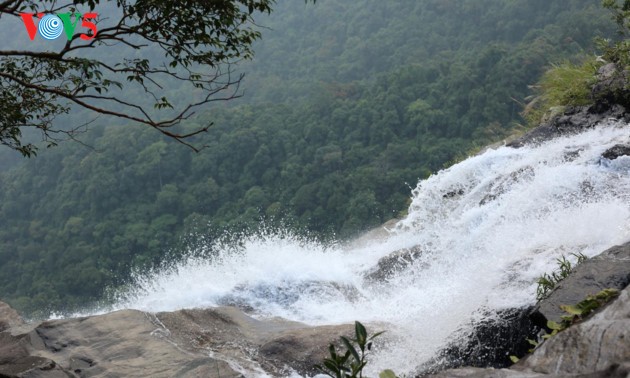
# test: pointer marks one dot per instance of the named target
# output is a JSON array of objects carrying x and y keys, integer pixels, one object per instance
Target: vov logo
[{"x": 51, "y": 26}]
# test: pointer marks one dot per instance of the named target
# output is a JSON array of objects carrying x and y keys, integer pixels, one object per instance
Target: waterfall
[{"x": 480, "y": 232}]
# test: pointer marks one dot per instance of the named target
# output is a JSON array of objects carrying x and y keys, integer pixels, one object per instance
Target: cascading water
[{"x": 485, "y": 229}]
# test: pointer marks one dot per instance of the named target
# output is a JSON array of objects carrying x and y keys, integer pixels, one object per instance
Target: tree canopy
[
  {"x": 618, "y": 51},
  {"x": 120, "y": 59}
]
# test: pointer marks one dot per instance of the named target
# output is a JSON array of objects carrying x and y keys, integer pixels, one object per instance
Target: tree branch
[{"x": 189, "y": 43}]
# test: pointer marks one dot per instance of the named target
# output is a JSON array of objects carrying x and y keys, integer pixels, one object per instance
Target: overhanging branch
[{"x": 195, "y": 39}]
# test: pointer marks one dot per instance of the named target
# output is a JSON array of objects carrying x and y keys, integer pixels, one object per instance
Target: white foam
[{"x": 479, "y": 250}]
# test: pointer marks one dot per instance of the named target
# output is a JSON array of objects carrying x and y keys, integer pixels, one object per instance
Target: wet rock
[
  {"x": 491, "y": 341},
  {"x": 505, "y": 182},
  {"x": 572, "y": 154},
  {"x": 616, "y": 151},
  {"x": 453, "y": 193},
  {"x": 595, "y": 348},
  {"x": 610, "y": 269},
  {"x": 392, "y": 264}
]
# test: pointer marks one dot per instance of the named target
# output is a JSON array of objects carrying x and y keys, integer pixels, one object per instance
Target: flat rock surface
[
  {"x": 218, "y": 342},
  {"x": 125, "y": 343}
]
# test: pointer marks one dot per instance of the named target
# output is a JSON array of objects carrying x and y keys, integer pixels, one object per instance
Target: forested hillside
[{"x": 347, "y": 104}]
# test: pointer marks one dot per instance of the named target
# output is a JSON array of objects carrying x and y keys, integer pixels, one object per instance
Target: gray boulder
[
  {"x": 219, "y": 342},
  {"x": 599, "y": 345},
  {"x": 611, "y": 87},
  {"x": 595, "y": 348},
  {"x": 610, "y": 269},
  {"x": 15, "y": 357}
]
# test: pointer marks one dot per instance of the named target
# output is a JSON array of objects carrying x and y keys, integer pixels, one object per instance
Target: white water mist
[{"x": 487, "y": 228}]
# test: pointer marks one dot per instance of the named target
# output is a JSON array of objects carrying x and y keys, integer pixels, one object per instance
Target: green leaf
[
  {"x": 554, "y": 326},
  {"x": 345, "y": 357},
  {"x": 351, "y": 349},
  {"x": 333, "y": 352},
  {"x": 331, "y": 366},
  {"x": 387, "y": 374},
  {"x": 514, "y": 359},
  {"x": 607, "y": 294},
  {"x": 361, "y": 334},
  {"x": 573, "y": 310}
]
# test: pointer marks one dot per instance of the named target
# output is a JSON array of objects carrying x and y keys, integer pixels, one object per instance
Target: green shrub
[
  {"x": 569, "y": 84},
  {"x": 565, "y": 84}
]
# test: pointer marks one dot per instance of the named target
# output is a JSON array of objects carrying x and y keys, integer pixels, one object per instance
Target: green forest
[{"x": 346, "y": 105}]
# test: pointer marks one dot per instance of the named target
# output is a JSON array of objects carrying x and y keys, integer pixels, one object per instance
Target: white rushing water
[{"x": 487, "y": 228}]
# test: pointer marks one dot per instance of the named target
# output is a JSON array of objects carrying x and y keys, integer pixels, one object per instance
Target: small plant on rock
[
  {"x": 350, "y": 363},
  {"x": 575, "y": 314},
  {"x": 547, "y": 282},
  {"x": 578, "y": 312}
]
